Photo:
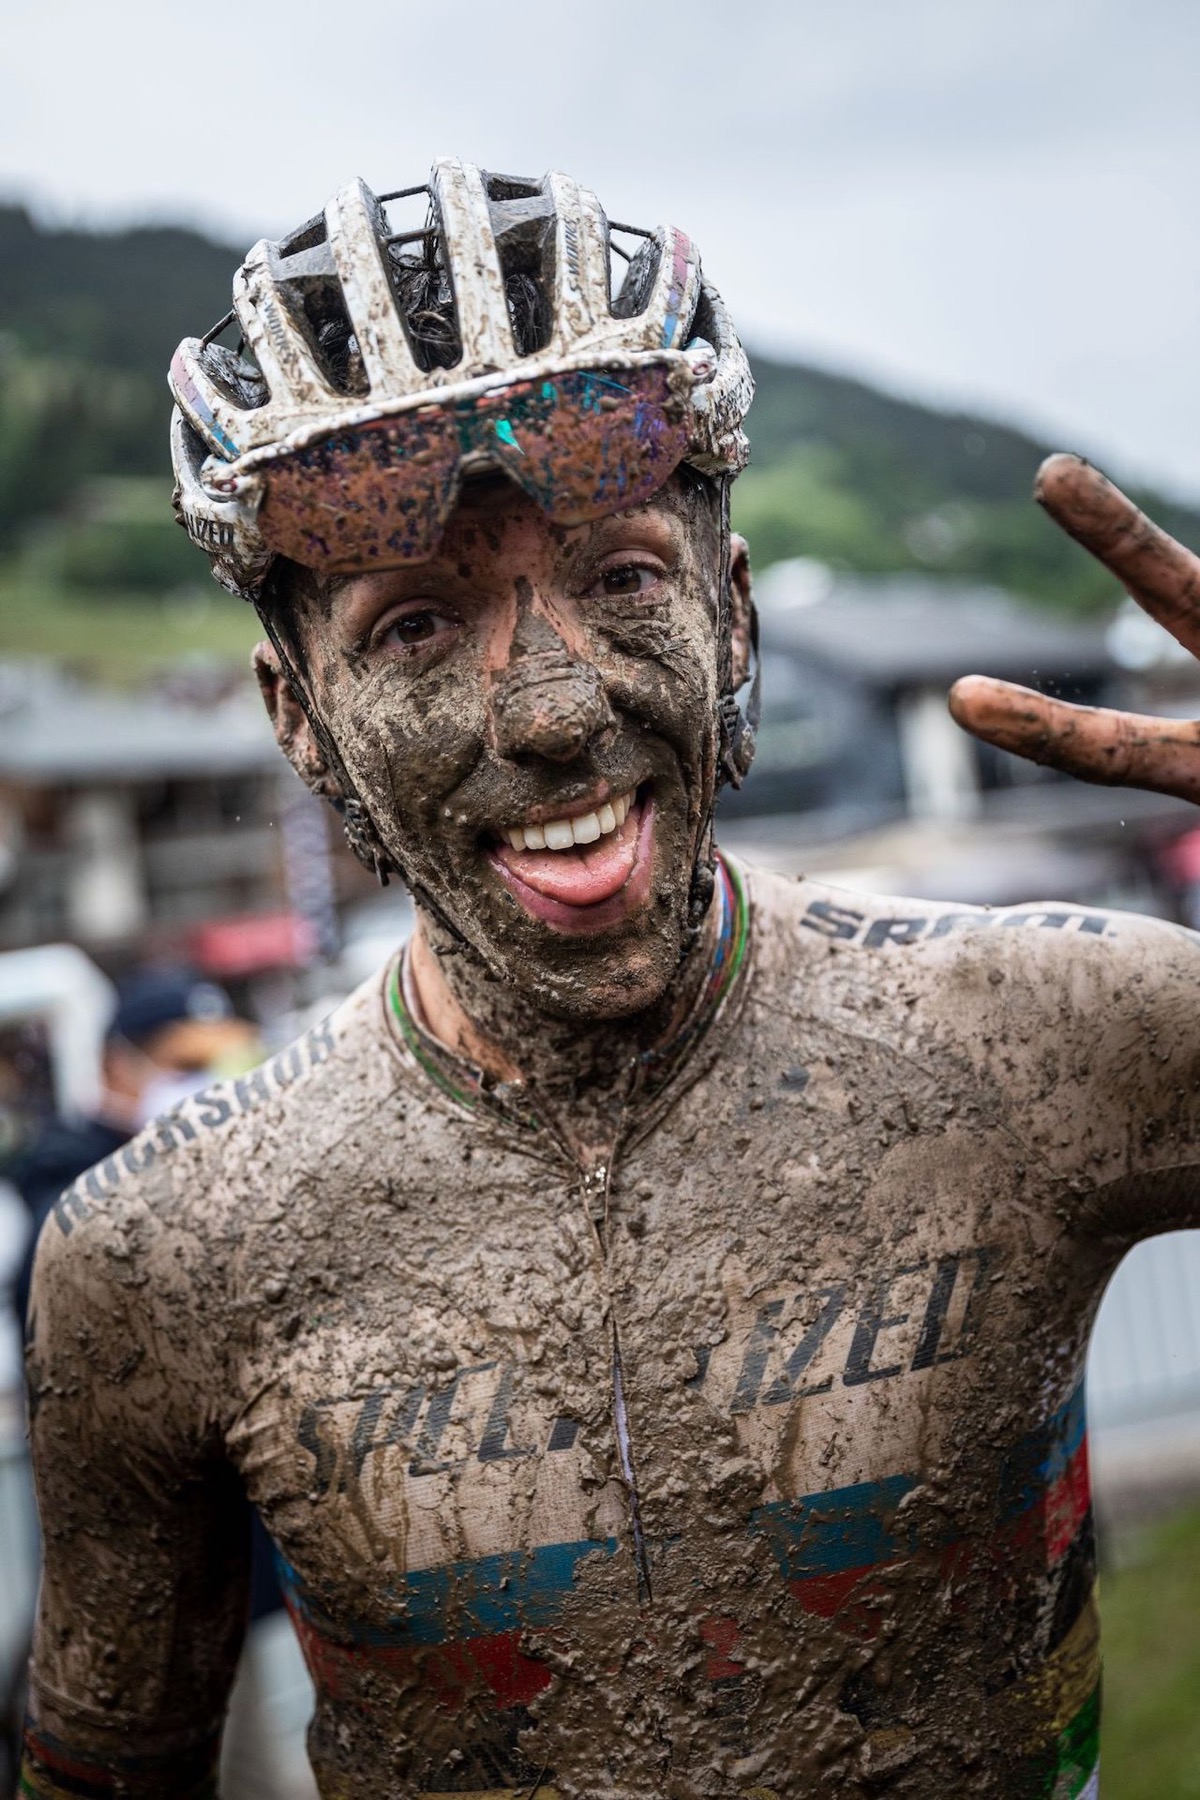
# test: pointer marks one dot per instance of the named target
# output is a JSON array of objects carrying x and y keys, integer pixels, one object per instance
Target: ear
[
  {"x": 293, "y": 733},
  {"x": 741, "y": 601}
]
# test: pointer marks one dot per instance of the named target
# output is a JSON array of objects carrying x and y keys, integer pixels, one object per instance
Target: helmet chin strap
[
  {"x": 361, "y": 833},
  {"x": 736, "y": 730}
]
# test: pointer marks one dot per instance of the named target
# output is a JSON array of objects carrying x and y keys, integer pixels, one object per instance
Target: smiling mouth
[
  {"x": 573, "y": 828},
  {"x": 582, "y": 870}
]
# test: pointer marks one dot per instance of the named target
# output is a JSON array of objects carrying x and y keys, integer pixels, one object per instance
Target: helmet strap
[{"x": 736, "y": 730}]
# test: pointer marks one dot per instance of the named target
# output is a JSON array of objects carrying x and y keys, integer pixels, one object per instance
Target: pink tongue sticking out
[{"x": 584, "y": 875}]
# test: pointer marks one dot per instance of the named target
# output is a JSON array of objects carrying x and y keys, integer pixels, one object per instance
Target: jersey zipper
[{"x": 596, "y": 1189}]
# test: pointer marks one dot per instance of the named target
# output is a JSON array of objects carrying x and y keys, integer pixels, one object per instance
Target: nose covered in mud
[{"x": 546, "y": 703}]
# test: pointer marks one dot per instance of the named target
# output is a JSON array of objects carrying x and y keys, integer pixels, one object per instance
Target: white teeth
[{"x": 562, "y": 834}]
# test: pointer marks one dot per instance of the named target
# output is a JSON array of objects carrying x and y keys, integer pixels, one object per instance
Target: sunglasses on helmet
[{"x": 582, "y": 444}]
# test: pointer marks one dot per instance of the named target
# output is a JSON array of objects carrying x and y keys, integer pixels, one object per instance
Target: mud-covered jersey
[{"x": 752, "y": 1465}]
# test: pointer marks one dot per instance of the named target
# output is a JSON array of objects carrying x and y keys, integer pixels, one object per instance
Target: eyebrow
[{"x": 656, "y": 506}]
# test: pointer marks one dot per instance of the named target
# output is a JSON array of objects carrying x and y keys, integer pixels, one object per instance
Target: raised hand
[{"x": 1095, "y": 743}]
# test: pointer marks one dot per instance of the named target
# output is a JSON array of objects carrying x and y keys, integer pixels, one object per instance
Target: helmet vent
[
  {"x": 426, "y": 301},
  {"x": 305, "y": 237},
  {"x": 704, "y": 324},
  {"x": 635, "y": 290},
  {"x": 528, "y": 312},
  {"x": 523, "y": 225},
  {"x": 236, "y": 374},
  {"x": 424, "y": 296},
  {"x": 405, "y": 213},
  {"x": 511, "y": 187},
  {"x": 331, "y": 335}
]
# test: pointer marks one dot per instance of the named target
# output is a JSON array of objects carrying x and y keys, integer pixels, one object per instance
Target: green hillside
[
  {"x": 867, "y": 481},
  {"x": 88, "y": 320}
]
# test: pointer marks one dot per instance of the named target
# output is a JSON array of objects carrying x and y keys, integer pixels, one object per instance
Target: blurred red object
[
  {"x": 1180, "y": 860},
  {"x": 257, "y": 941}
]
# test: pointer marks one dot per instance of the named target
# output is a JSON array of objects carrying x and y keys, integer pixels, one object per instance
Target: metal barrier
[{"x": 1144, "y": 1362}]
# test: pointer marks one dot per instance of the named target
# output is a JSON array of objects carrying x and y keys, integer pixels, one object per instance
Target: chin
[
  {"x": 590, "y": 930},
  {"x": 593, "y": 982}
]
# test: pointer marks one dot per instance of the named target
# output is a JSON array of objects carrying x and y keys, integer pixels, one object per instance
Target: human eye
[
  {"x": 413, "y": 627},
  {"x": 626, "y": 579}
]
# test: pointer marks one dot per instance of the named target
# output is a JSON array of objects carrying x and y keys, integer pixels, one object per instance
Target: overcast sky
[{"x": 993, "y": 202}]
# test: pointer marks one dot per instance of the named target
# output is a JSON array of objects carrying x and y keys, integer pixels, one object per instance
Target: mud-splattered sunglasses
[{"x": 582, "y": 444}]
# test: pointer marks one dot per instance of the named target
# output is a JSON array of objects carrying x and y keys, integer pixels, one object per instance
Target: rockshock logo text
[{"x": 206, "y": 1111}]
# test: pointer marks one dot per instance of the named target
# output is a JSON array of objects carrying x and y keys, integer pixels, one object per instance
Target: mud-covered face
[{"x": 530, "y": 719}]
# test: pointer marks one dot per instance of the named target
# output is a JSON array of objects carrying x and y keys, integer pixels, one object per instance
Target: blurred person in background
[
  {"x": 172, "y": 1034},
  {"x": 650, "y": 1315}
]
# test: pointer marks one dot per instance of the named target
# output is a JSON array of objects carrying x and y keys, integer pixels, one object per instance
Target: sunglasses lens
[
  {"x": 368, "y": 499},
  {"x": 584, "y": 444}
]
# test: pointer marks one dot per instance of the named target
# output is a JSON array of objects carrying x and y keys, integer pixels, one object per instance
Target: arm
[
  {"x": 1145, "y": 1027},
  {"x": 143, "y": 1593}
]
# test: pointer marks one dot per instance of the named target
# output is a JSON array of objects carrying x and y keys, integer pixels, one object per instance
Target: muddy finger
[
  {"x": 1115, "y": 749},
  {"x": 1162, "y": 575}
]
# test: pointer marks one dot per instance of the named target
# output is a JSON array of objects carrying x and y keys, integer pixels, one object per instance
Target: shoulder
[
  {"x": 197, "y": 1171},
  {"x": 1060, "y": 953},
  {"x": 816, "y": 910}
]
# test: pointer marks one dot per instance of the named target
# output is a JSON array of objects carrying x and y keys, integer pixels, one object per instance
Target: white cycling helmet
[{"x": 373, "y": 368}]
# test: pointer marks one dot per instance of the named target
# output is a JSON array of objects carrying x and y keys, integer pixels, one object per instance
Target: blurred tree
[
  {"x": 119, "y": 299},
  {"x": 88, "y": 322},
  {"x": 62, "y": 420}
]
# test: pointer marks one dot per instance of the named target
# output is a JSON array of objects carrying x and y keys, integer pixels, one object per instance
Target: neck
[{"x": 577, "y": 1072}]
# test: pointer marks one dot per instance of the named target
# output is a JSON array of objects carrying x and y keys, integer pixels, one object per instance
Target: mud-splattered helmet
[{"x": 373, "y": 368}]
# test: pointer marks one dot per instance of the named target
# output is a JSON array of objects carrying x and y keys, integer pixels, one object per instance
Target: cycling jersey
[{"x": 752, "y": 1464}]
